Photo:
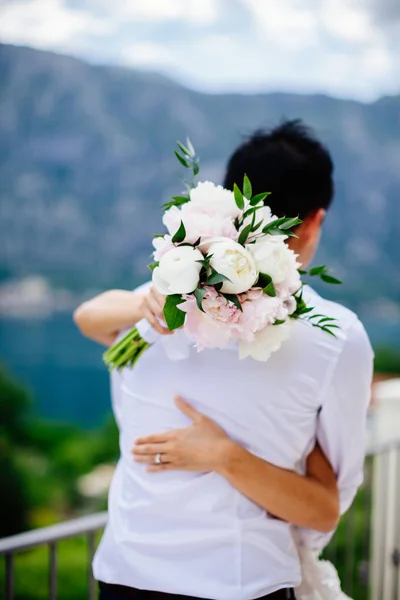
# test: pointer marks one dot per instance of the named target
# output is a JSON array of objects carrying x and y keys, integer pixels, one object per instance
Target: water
[{"x": 65, "y": 371}]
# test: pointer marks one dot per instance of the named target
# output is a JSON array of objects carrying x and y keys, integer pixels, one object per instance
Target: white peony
[
  {"x": 235, "y": 262},
  {"x": 198, "y": 224},
  {"x": 266, "y": 342},
  {"x": 178, "y": 271},
  {"x": 214, "y": 200},
  {"x": 274, "y": 258}
]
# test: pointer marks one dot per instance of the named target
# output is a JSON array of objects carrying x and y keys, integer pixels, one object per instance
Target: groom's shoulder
[{"x": 351, "y": 334}]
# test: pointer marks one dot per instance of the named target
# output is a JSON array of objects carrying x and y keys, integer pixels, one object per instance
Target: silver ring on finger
[{"x": 158, "y": 459}]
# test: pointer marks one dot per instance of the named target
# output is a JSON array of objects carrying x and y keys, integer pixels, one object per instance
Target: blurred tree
[
  {"x": 14, "y": 406},
  {"x": 387, "y": 360}
]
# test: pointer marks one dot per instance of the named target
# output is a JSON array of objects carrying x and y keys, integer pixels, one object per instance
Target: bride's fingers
[
  {"x": 158, "y": 298},
  {"x": 150, "y": 459},
  {"x": 153, "y": 305},
  {"x": 162, "y": 467},
  {"x": 157, "y": 438},
  {"x": 154, "y": 322},
  {"x": 151, "y": 449}
]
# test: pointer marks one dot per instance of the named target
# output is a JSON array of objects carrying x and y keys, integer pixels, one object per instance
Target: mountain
[{"x": 87, "y": 159}]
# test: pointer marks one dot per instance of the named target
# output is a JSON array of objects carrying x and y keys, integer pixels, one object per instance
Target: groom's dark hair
[{"x": 289, "y": 162}]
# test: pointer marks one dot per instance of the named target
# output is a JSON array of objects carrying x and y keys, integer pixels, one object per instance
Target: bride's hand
[
  {"x": 151, "y": 309},
  {"x": 203, "y": 446}
]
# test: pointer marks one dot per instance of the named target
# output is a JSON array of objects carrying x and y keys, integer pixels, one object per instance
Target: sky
[{"x": 344, "y": 48}]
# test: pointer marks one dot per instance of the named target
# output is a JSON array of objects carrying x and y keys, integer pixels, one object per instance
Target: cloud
[
  {"x": 346, "y": 48},
  {"x": 147, "y": 54},
  {"x": 46, "y": 23},
  {"x": 197, "y": 11}
]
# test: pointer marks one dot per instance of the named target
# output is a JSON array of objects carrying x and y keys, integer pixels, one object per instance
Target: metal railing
[
  {"x": 365, "y": 549},
  {"x": 50, "y": 536}
]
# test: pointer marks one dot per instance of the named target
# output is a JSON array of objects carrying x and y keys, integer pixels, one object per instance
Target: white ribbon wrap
[{"x": 176, "y": 346}]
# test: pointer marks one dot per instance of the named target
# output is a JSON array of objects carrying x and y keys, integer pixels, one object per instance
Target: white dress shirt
[{"x": 193, "y": 533}]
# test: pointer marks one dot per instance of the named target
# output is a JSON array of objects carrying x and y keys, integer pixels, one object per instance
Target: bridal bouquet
[{"x": 226, "y": 271}]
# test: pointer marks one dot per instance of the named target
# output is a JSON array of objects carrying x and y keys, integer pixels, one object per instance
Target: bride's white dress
[{"x": 320, "y": 578}]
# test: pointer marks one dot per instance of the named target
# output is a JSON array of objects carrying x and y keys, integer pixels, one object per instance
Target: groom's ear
[{"x": 311, "y": 225}]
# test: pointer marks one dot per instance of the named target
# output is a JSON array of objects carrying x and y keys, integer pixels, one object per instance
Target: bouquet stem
[{"x": 126, "y": 352}]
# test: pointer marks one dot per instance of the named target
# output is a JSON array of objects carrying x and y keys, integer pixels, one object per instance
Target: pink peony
[
  {"x": 162, "y": 245},
  {"x": 259, "y": 310},
  {"x": 217, "y": 326}
]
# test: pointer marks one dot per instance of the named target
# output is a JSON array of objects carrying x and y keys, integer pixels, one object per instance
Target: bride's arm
[
  {"x": 309, "y": 501},
  {"x": 104, "y": 316}
]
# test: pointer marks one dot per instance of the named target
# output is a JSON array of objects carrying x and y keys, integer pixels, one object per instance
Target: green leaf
[
  {"x": 244, "y": 234},
  {"x": 153, "y": 265},
  {"x": 281, "y": 226},
  {"x": 234, "y": 299},
  {"x": 190, "y": 147},
  {"x": 253, "y": 221},
  {"x": 203, "y": 263},
  {"x": 247, "y": 189},
  {"x": 328, "y": 331},
  {"x": 274, "y": 225},
  {"x": 197, "y": 242},
  {"x": 263, "y": 280},
  {"x": 308, "y": 309},
  {"x": 317, "y": 270},
  {"x": 277, "y": 231},
  {"x": 267, "y": 284},
  {"x": 158, "y": 235},
  {"x": 182, "y": 160},
  {"x": 251, "y": 211},
  {"x": 324, "y": 319},
  {"x": 259, "y": 198},
  {"x": 330, "y": 279},
  {"x": 180, "y": 199},
  {"x": 290, "y": 223},
  {"x": 199, "y": 294},
  {"x": 302, "y": 272},
  {"x": 174, "y": 317},
  {"x": 238, "y": 197},
  {"x": 278, "y": 322},
  {"x": 180, "y": 234},
  {"x": 270, "y": 290},
  {"x": 183, "y": 148},
  {"x": 216, "y": 278}
]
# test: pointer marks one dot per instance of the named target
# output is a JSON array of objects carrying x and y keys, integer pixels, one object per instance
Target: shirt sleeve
[
  {"x": 341, "y": 427},
  {"x": 116, "y": 376}
]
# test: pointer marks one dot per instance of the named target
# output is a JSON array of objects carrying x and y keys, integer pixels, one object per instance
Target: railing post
[
  {"x": 52, "y": 571},
  {"x": 9, "y": 576},
  {"x": 385, "y": 525},
  {"x": 91, "y": 549}
]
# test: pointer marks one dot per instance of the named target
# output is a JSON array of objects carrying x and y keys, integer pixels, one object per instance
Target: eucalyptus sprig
[
  {"x": 323, "y": 272},
  {"x": 303, "y": 311},
  {"x": 187, "y": 157},
  {"x": 251, "y": 232}
]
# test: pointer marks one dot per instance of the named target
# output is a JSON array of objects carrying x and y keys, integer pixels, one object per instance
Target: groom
[{"x": 202, "y": 533}]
